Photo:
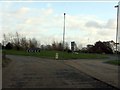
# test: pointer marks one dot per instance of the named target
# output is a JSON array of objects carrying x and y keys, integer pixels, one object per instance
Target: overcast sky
[{"x": 86, "y": 22}]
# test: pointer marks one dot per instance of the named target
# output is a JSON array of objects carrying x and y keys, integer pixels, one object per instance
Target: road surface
[
  {"x": 33, "y": 72},
  {"x": 98, "y": 69}
]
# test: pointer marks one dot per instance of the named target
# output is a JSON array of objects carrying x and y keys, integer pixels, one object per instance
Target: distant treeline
[{"x": 20, "y": 42}]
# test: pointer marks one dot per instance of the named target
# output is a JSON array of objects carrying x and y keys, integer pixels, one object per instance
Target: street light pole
[
  {"x": 64, "y": 32},
  {"x": 117, "y": 6}
]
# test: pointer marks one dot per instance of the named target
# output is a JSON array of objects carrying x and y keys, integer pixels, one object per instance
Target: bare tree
[
  {"x": 5, "y": 40},
  {"x": 11, "y": 37},
  {"x": 66, "y": 46},
  {"x": 60, "y": 46},
  {"x": 54, "y": 45},
  {"x": 33, "y": 43},
  {"x": 17, "y": 38},
  {"x": 24, "y": 43},
  {"x": 16, "y": 41}
]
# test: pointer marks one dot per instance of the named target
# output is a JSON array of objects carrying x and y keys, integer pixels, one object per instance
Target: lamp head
[{"x": 116, "y": 6}]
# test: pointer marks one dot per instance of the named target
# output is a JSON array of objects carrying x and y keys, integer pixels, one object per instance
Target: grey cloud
[
  {"x": 93, "y": 24},
  {"x": 110, "y": 24}
]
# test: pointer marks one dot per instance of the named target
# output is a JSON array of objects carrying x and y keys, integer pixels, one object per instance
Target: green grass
[
  {"x": 62, "y": 55},
  {"x": 114, "y": 62}
]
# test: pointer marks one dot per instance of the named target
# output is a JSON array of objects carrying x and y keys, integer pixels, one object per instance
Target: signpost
[{"x": 72, "y": 46}]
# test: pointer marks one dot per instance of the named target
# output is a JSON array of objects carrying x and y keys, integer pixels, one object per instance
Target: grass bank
[
  {"x": 62, "y": 55},
  {"x": 114, "y": 62}
]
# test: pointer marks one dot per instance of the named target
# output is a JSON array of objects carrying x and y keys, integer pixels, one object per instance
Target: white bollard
[{"x": 56, "y": 56}]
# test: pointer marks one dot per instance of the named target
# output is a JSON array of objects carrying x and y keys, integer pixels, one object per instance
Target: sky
[{"x": 85, "y": 21}]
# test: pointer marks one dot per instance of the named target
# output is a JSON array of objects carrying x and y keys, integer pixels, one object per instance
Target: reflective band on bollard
[{"x": 56, "y": 56}]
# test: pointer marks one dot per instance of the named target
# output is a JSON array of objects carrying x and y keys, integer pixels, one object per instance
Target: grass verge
[
  {"x": 114, "y": 62},
  {"x": 62, "y": 55}
]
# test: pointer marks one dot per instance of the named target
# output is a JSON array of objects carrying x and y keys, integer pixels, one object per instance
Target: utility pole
[
  {"x": 117, "y": 6},
  {"x": 64, "y": 32}
]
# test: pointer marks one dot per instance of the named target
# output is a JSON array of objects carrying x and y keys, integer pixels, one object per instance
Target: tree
[
  {"x": 33, "y": 43},
  {"x": 24, "y": 43},
  {"x": 101, "y": 47},
  {"x": 17, "y": 41},
  {"x": 66, "y": 46},
  {"x": 5, "y": 39},
  {"x": 60, "y": 46},
  {"x": 54, "y": 45},
  {"x": 9, "y": 46}
]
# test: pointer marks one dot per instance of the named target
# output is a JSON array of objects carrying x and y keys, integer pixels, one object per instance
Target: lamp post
[
  {"x": 117, "y": 6},
  {"x": 64, "y": 32}
]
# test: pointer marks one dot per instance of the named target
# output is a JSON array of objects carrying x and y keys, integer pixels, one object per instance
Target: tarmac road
[
  {"x": 98, "y": 69},
  {"x": 33, "y": 72}
]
